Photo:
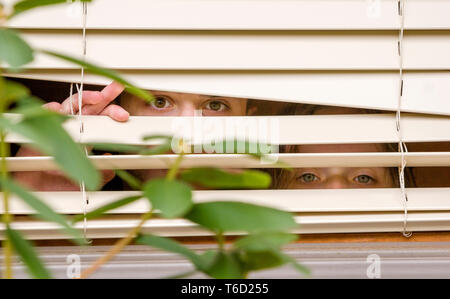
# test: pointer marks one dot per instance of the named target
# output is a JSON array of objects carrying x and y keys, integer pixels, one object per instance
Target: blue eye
[
  {"x": 308, "y": 177},
  {"x": 363, "y": 179}
]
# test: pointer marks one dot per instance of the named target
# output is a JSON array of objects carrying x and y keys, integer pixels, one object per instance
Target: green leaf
[
  {"x": 89, "y": 67},
  {"x": 27, "y": 254},
  {"x": 167, "y": 244},
  {"x": 236, "y": 216},
  {"x": 11, "y": 91},
  {"x": 264, "y": 241},
  {"x": 164, "y": 138},
  {"x": 300, "y": 268},
  {"x": 115, "y": 147},
  {"x": 131, "y": 180},
  {"x": 13, "y": 49},
  {"x": 48, "y": 135},
  {"x": 258, "y": 260},
  {"x": 30, "y": 106},
  {"x": 217, "y": 178},
  {"x": 44, "y": 212},
  {"x": 225, "y": 266},
  {"x": 26, "y": 5},
  {"x": 157, "y": 150},
  {"x": 164, "y": 147},
  {"x": 171, "y": 198},
  {"x": 108, "y": 207}
]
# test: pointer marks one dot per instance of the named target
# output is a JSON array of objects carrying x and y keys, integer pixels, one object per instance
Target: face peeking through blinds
[{"x": 336, "y": 177}]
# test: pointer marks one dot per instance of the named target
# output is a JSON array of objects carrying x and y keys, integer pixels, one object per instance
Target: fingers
[
  {"x": 89, "y": 98},
  {"x": 112, "y": 91},
  {"x": 94, "y": 102},
  {"x": 116, "y": 112},
  {"x": 109, "y": 93},
  {"x": 53, "y": 106}
]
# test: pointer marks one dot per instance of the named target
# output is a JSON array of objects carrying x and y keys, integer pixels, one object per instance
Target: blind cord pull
[{"x": 401, "y": 145}]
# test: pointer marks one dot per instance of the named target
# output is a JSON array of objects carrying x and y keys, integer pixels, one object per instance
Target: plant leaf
[
  {"x": 170, "y": 245},
  {"x": 48, "y": 136},
  {"x": 300, "y": 268},
  {"x": 236, "y": 216},
  {"x": 115, "y": 147},
  {"x": 217, "y": 178},
  {"x": 44, "y": 212},
  {"x": 27, "y": 254},
  {"x": 131, "y": 180},
  {"x": 225, "y": 266},
  {"x": 108, "y": 207},
  {"x": 258, "y": 260},
  {"x": 26, "y": 5},
  {"x": 264, "y": 241},
  {"x": 171, "y": 198},
  {"x": 13, "y": 49},
  {"x": 11, "y": 91},
  {"x": 89, "y": 67}
]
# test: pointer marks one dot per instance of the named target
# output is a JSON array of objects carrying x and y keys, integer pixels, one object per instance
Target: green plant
[{"x": 22, "y": 113}]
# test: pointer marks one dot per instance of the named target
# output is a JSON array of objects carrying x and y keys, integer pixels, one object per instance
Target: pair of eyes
[
  {"x": 165, "y": 102},
  {"x": 310, "y": 177}
]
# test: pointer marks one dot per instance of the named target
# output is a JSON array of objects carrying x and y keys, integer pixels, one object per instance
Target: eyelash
[
  {"x": 157, "y": 97},
  {"x": 371, "y": 179},
  {"x": 302, "y": 177},
  {"x": 224, "y": 105}
]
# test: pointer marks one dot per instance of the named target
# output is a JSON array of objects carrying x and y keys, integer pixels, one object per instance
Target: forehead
[{"x": 340, "y": 148}]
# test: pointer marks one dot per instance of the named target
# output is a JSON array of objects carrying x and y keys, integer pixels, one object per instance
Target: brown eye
[
  {"x": 160, "y": 102},
  {"x": 308, "y": 177},
  {"x": 364, "y": 179}
]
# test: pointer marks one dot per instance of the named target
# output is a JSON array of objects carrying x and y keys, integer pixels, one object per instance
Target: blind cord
[{"x": 401, "y": 145}]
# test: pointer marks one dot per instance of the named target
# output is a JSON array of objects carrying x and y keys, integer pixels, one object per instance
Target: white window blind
[{"x": 341, "y": 53}]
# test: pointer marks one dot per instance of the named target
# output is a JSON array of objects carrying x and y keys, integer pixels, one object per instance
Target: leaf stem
[
  {"x": 7, "y": 218},
  {"x": 171, "y": 174},
  {"x": 220, "y": 240},
  {"x": 118, "y": 247}
]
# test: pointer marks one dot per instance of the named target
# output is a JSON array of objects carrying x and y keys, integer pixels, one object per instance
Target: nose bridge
[
  {"x": 337, "y": 180},
  {"x": 187, "y": 107}
]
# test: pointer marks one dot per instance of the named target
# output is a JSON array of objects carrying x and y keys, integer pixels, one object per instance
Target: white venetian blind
[{"x": 337, "y": 52}]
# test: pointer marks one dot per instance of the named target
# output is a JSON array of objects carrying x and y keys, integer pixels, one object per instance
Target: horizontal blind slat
[
  {"x": 321, "y": 129},
  {"x": 227, "y": 50},
  {"x": 413, "y": 159},
  {"x": 214, "y": 15},
  {"x": 301, "y": 201},
  {"x": 309, "y": 224},
  {"x": 371, "y": 90}
]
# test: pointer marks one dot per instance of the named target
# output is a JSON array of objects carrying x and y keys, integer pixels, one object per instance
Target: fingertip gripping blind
[{"x": 342, "y": 53}]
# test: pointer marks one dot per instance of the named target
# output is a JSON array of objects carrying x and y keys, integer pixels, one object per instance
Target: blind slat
[
  {"x": 357, "y": 128},
  {"x": 228, "y": 50},
  {"x": 214, "y": 15},
  {"x": 413, "y": 159},
  {"x": 342, "y": 223},
  {"x": 371, "y": 90},
  {"x": 301, "y": 201}
]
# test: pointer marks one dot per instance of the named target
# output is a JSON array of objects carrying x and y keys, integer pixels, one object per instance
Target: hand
[{"x": 94, "y": 103}]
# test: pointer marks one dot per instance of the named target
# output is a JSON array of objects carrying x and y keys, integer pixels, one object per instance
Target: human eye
[
  {"x": 308, "y": 178},
  {"x": 364, "y": 179},
  {"x": 216, "y": 106},
  {"x": 161, "y": 102}
]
